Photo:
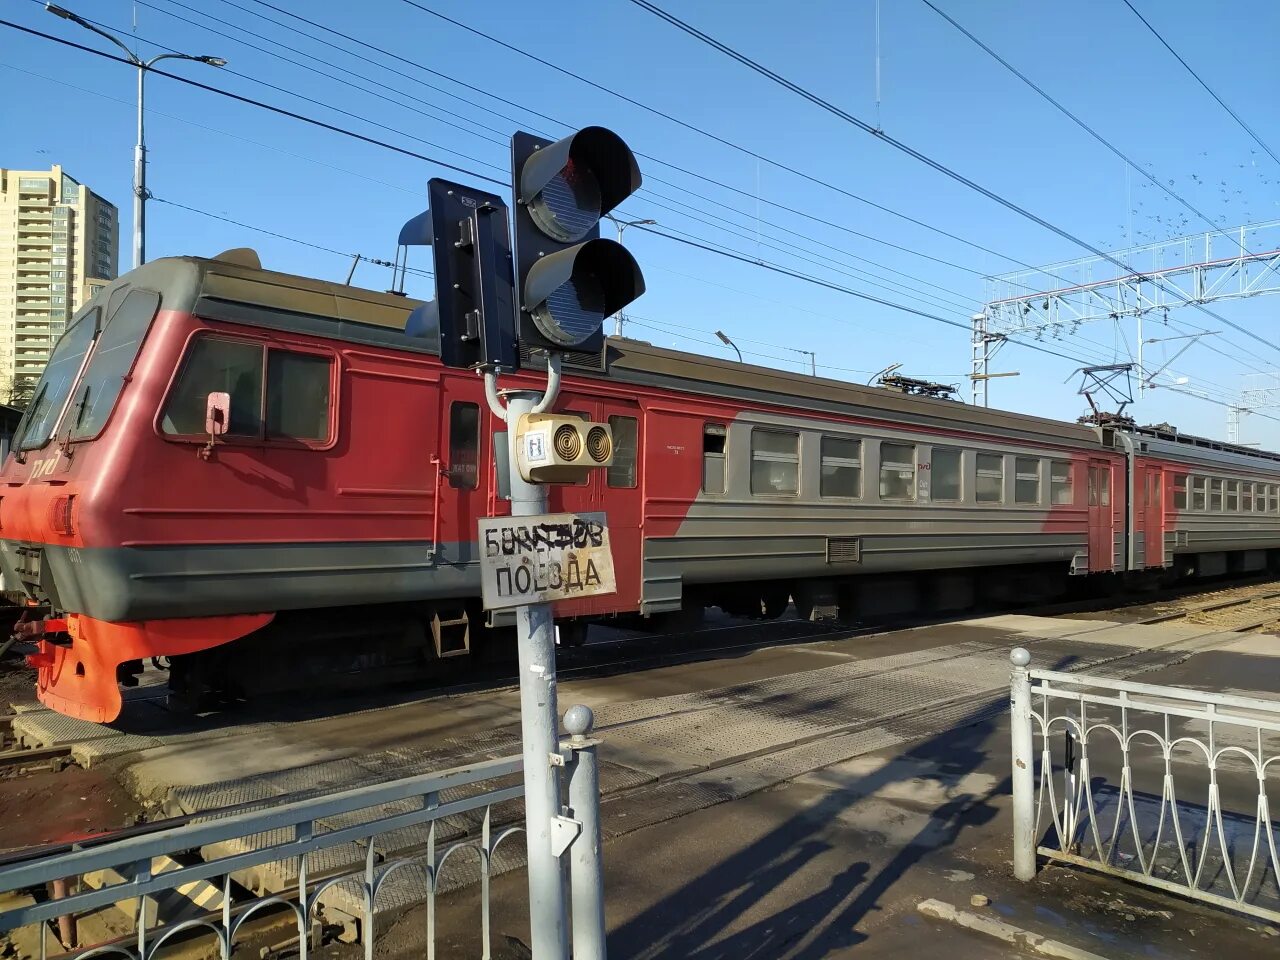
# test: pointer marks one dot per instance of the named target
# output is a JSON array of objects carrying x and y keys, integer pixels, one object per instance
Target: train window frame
[
  {"x": 261, "y": 438},
  {"x": 899, "y": 466},
  {"x": 105, "y": 341},
  {"x": 839, "y": 463},
  {"x": 1216, "y": 494},
  {"x": 981, "y": 472},
  {"x": 719, "y": 431},
  {"x": 51, "y": 418},
  {"x": 617, "y": 465},
  {"x": 1231, "y": 497},
  {"x": 1022, "y": 475},
  {"x": 935, "y": 473},
  {"x": 471, "y": 448},
  {"x": 1246, "y": 497},
  {"x": 1199, "y": 492},
  {"x": 1057, "y": 484},
  {"x": 1180, "y": 495},
  {"x": 775, "y": 457}
]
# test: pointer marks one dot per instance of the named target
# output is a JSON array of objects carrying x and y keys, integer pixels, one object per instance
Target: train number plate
[{"x": 555, "y": 556}]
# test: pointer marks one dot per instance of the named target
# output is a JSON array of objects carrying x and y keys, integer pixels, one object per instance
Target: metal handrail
[{"x": 301, "y": 815}]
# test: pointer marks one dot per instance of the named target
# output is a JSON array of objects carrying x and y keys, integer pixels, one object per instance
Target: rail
[
  {"x": 1219, "y": 749},
  {"x": 328, "y": 848}
]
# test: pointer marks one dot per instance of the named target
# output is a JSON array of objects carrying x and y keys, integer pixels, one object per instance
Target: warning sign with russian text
[{"x": 557, "y": 556}]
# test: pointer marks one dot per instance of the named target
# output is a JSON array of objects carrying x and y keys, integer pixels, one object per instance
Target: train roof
[{"x": 234, "y": 287}]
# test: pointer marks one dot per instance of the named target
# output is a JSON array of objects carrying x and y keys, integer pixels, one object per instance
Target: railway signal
[
  {"x": 471, "y": 251},
  {"x": 568, "y": 278}
]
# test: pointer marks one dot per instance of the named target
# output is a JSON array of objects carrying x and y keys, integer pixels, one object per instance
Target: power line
[
  {"x": 690, "y": 242},
  {"x": 915, "y": 154},
  {"x": 1199, "y": 79},
  {"x": 739, "y": 148},
  {"x": 1075, "y": 119},
  {"x": 281, "y": 236},
  {"x": 280, "y": 111},
  {"x": 648, "y": 191}
]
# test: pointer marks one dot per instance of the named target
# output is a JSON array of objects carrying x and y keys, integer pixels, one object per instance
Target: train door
[
  {"x": 616, "y": 492},
  {"x": 459, "y": 496},
  {"x": 1101, "y": 518},
  {"x": 1153, "y": 517}
]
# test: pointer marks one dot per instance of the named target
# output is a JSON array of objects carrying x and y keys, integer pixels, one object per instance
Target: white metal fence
[
  {"x": 326, "y": 854},
  {"x": 1161, "y": 785}
]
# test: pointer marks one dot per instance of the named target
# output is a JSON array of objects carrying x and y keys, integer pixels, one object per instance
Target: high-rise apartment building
[{"x": 59, "y": 242}]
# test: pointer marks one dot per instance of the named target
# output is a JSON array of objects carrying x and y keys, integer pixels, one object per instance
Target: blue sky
[{"x": 940, "y": 94}]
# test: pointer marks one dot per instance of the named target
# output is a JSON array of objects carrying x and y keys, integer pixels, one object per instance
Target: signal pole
[
  {"x": 539, "y": 711},
  {"x": 496, "y": 304}
]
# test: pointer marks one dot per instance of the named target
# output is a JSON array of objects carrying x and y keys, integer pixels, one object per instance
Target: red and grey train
[{"x": 336, "y": 517}]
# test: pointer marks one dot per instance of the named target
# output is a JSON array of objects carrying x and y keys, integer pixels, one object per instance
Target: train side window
[
  {"x": 1199, "y": 492},
  {"x": 944, "y": 482},
  {"x": 298, "y": 395},
  {"x": 1232, "y": 503},
  {"x": 897, "y": 471},
  {"x": 1104, "y": 485},
  {"x": 775, "y": 463},
  {"x": 841, "y": 468},
  {"x": 1246, "y": 497},
  {"x": 464, "y": 446},
  {"x": 1026, "y": 480},
  {"x": 1215, "y": 495},
  {"x": 1180, "y": 491},
  {"x": 217, "y": 366},
  {"x": 714, "y": 440},
  {"x": 1260, "y": 498},
  {"x": 622, "y": 473},
  {"x": 1061, "y": 491},
  {"x": 990, "y": 474}
]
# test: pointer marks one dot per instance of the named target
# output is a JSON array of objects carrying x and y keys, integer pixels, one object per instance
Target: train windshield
[
  {"x": 55, "y": 385},
  {"x": 117, "y": 345}
]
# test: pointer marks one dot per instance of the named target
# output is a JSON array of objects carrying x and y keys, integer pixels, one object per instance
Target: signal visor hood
[{"x": 598, "y": 149}]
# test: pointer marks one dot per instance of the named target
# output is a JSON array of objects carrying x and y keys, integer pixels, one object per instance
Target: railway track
[
  {"x": 849, "y": 709},
  {"x": 1242, "y": 607}
]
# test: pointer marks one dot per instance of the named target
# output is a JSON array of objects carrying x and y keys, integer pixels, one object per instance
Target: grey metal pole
[
  {"x": 586, "y": 866},
  {"x": 617, "y": 317},
  {"x": 539, "y": 719},
  {"x": 140, "y": 179},
  {"x": 1024, "y": 764}
]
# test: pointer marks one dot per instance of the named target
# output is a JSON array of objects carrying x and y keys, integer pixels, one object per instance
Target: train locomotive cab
[
  {"x": 218, "y": 453},
  {"x": 64, "y": 497}
]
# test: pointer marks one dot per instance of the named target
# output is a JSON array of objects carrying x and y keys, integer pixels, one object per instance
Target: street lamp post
[
  {"x": 140, "y": 148},
  {"x": 622, "y": 225},
  {"x": 725, "y": 340}
]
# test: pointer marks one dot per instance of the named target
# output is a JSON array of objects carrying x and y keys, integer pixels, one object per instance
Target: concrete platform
[
  {"x": 730, "y": 778},
  {"x": 678, "y": 740}
]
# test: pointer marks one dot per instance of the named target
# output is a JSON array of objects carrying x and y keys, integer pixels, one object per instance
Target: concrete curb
[{"x": 1007, "y": 932}]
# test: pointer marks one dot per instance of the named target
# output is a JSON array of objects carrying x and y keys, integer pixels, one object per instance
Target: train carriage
[{"x": 333, "y": 525}]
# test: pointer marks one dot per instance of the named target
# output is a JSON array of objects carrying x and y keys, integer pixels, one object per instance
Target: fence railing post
[
  {"x": 1024, "y": 764},
  {"x": 586, "y": 866}
]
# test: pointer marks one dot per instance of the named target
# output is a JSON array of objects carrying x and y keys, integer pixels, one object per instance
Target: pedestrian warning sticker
[{"x": 557, "y": 556}]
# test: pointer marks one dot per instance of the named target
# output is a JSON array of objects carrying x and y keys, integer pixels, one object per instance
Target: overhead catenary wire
[
  {"x": 251, "y": 101},
  {"x": 748, "y": 152},
  {"x": 414, "y": 154},
  {"x": 284, "y": 236},
  {"x": 921, "y": 157},
  {"x": 1061, "y": 108},
  {"x": 1200, "y": 80},
  {"x": 648, "y": 191}
]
